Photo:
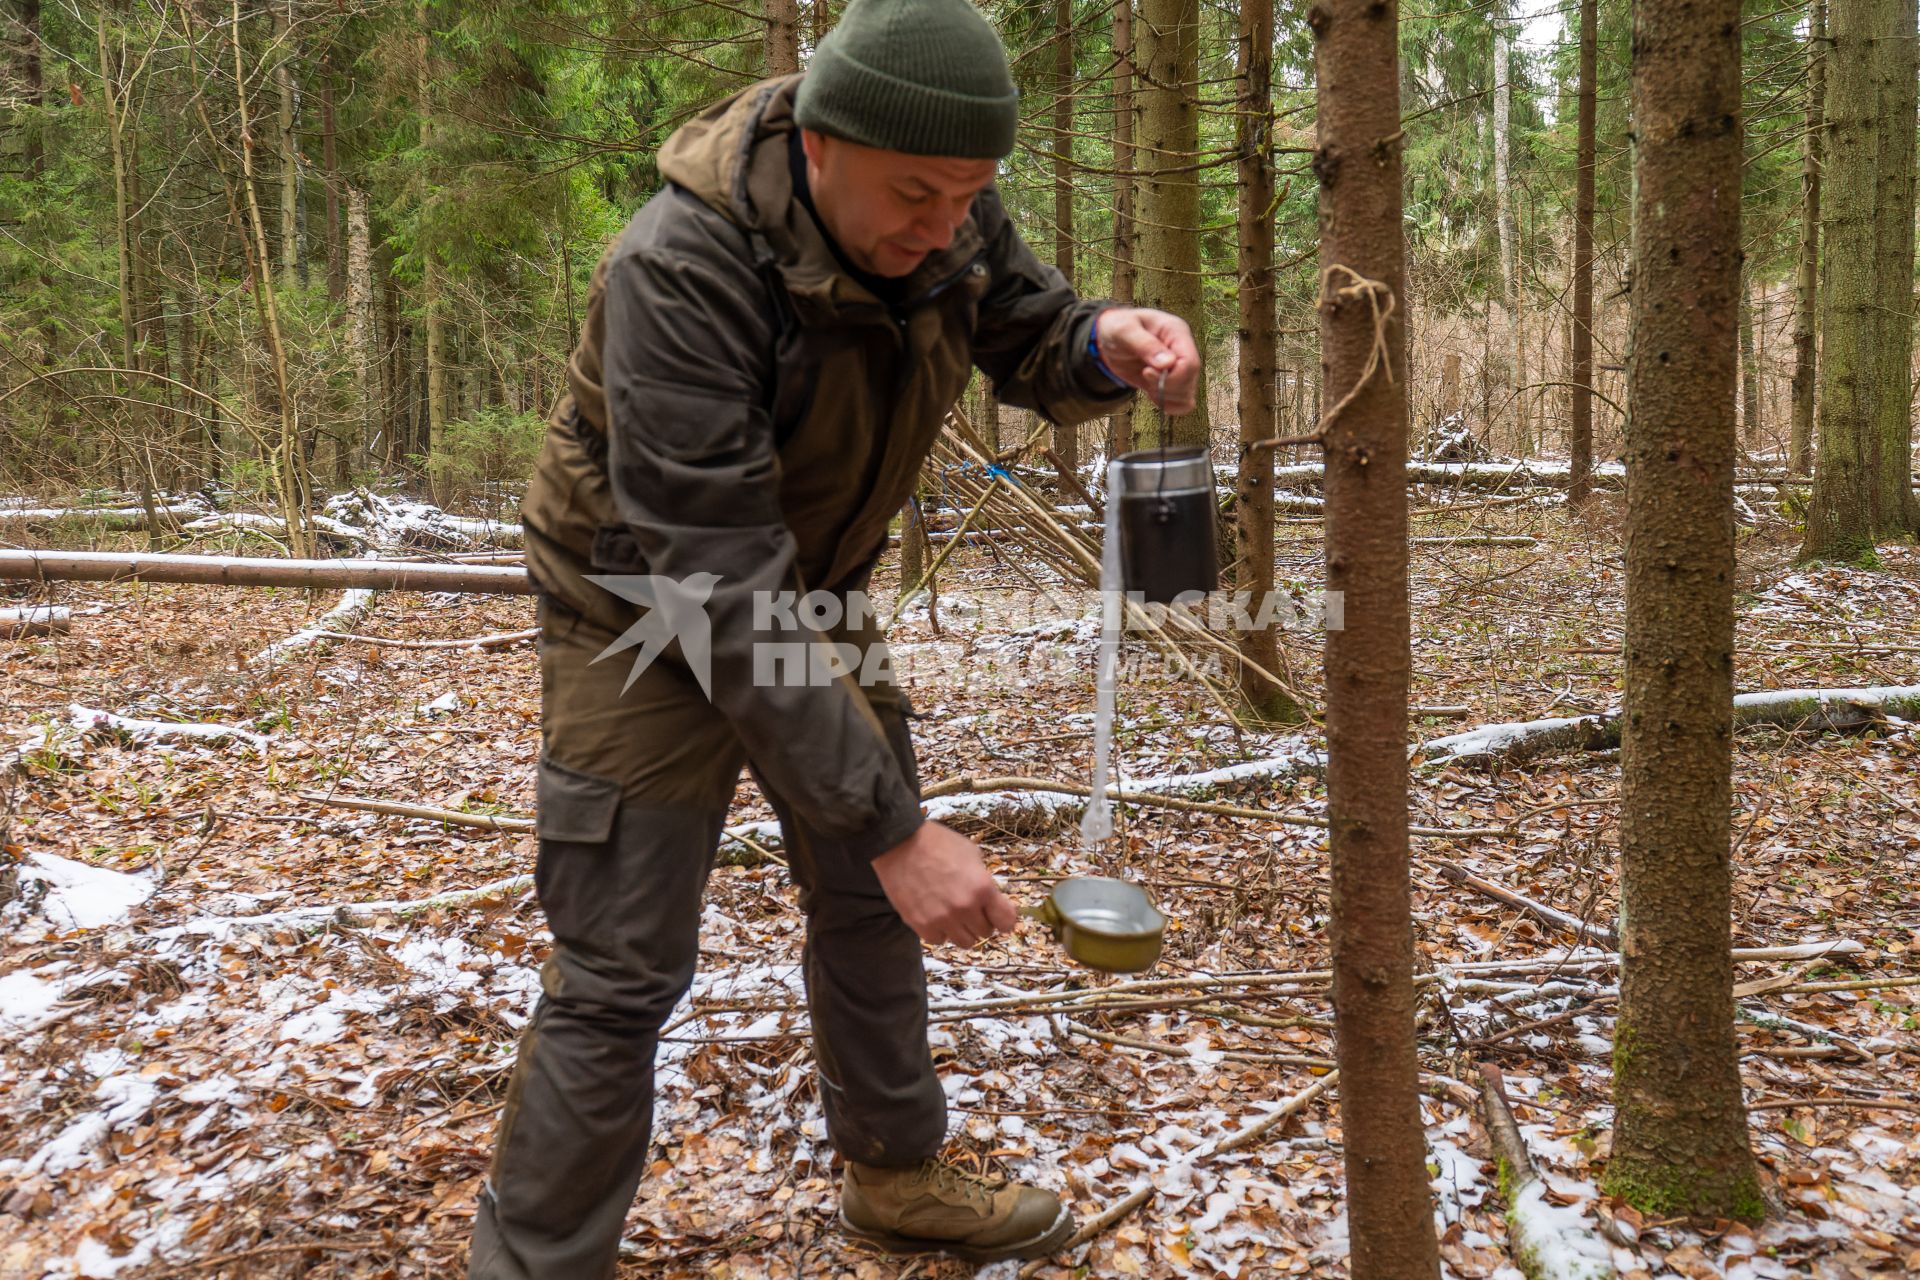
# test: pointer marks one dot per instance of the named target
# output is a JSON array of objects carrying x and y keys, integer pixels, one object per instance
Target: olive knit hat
[{"x": 927, "y": 77}]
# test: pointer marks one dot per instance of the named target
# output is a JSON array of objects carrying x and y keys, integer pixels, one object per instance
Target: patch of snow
[
  {"x": 1557, "y": 1240},
  {"x": 27, "y": 1001},
  {"x": 80, "y": 896}
]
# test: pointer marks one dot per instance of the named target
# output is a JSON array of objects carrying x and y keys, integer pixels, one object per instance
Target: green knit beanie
[{"x": 927, "y": 77}]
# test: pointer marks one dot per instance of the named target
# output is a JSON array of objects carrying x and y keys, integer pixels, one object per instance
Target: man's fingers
[{"x": 1002, "y": 915}]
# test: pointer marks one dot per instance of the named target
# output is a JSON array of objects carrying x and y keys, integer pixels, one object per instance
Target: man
[{"x": 770, "y": 347}]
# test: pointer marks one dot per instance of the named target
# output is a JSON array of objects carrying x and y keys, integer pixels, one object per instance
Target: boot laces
[{"x": 949, "y": 1177}]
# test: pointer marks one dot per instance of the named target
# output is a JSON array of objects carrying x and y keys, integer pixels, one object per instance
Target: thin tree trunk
[
  {"x": 1806, "y": 298},
  {"x": 781, "y": 48},
  {"x": 1369, "y": 661},
  {"x": 1749, "y": 375},
  {"x": 819, "y": 19},
  {"x": 1580, "y": 372},
  {"x": 33, "y": 90},
  {"x": 428, "y": 427},
  {"x": 1861, "y": 487},
  {"x": 1120, "y": 425},
  {"x": 1680, "y": 1129},
  {"x": 1169, "y": 201},
  {"x": 1504, "y": 218},
  {"x": 329, "y": 160},
  {"x": 290, "y": 255},
  {"x": 913, "y": 545},
  {"x": 359, "y": 273},
  {"x": 1253, "y": 505},
  {"x": 1066, "y": 436}
]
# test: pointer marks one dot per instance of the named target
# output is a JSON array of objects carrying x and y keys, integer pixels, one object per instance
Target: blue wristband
[{"x": 1093, "y": 349}]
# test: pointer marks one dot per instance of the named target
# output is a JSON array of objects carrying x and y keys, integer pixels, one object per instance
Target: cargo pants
[{"x": 632, "y": 791}]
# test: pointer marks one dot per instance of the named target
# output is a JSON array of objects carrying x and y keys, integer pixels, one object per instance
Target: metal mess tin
[
  {"x": 1167, "y": 513},
  {"x": 1103, "y": 923}
]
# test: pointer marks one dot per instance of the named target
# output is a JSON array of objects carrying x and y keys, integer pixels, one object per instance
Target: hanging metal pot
[{"x": 1167, "y": 517}]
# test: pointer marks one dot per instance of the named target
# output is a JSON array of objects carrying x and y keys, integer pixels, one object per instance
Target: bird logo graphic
[{"x": 676, "y": 609}]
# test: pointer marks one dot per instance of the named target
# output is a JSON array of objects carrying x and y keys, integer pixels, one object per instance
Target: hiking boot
[{"x": 935, "y": 1206}]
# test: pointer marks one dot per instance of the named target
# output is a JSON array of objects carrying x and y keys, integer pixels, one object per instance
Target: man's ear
[{"x": 814, "y": 143}]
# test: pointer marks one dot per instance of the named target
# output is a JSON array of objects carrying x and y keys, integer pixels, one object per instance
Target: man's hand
[
  {"x": 937, "y": 882},
  {"x": 1139, "y": 345}
]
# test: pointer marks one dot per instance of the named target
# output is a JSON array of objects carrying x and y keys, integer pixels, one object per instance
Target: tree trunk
[
  {"x": 1580, "y": 371},
  {"x": 1504, "y": 218},
  {"x": 359, "y": 274},
  {"x": 428, "y": 429},
  {"x": 1861, "y": 491},
  {"x": 1066, "y": 435},
  {"x": 1749, "y": 375},
  {"x": 1253, "y": 505},
  {"x": 329, "y": 159},
  {"x": 113, "y": 100},
  {"x": 782, "y": 44},
  {"x": 1120, "y": 424},
  {"x": 292, "y": 260},
  {"x": 1806, "y": 300},
  {"x": 913, "y": 545},
  {"x": 1169, "y": 225},
  {"x": 1680, "y": 1131},
  {"x": 1369, "y": 661},
  {"x": 819, "y": 19},
  {"x": 1893, "y": 279},
  {"x": 32, "y": 90}
]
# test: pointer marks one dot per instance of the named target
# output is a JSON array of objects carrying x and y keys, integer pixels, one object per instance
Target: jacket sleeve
[
  {"x": 694, "y": 472},
  {"x": 1034, "y": 333}
]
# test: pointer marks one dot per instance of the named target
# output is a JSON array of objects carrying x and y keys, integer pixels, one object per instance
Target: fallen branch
[
  {"x": 260, "y": 571},
  {"x": 87, "y": 718},
  {"x": 1548, "y": 1241},
  {"x": 355, "y": 604},
  {"x": 976, "y": 789},
  {"x": 356, "y": 915},
  {"x": 275, "y": 526},
  {"x": 35, "y": 620},
  {"x": 1864, "y": 1104},
  {"x": 496, "y": 641},
  {"x": 1839, "y": 710},
  {"x": 111, "y": 517},
  {"x": 1540, "y": 911}
]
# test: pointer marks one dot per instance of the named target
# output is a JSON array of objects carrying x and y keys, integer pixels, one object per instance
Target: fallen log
[
  {"x": 1835, "y": 710},
  {"x": 126, "y": 517},
  {"x": 257, "y": 571},
  {"x": 34, "y": 620}
]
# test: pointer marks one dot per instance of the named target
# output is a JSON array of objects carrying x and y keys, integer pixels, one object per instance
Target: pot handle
[{"x": 1046, "y": 913}]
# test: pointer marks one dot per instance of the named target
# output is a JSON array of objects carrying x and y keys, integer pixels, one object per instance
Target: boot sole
[{"x": 1039, "y": 1246}]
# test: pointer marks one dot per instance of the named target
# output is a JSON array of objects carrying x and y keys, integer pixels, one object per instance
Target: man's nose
[{"x": 938, "y": 228}]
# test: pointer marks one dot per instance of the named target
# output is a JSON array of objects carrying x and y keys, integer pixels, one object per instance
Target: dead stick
[
  {"x": 495, "y": 641},
  {"x": 1072, "y": 481},
  {"x": 1865, "y": 1104},
  {"x": 974, "y": 786},
  {"x": 1538, "y": 910}
]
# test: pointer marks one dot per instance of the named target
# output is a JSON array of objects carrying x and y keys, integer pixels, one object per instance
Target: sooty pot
[{"x": 1167, "y": 512}]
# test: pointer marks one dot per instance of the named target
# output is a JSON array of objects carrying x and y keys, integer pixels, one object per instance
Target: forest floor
[{"x": 199, "y": 1076}]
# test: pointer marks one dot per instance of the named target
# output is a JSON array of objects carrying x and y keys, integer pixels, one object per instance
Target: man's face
[{"x": 888, "y": 209}]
